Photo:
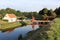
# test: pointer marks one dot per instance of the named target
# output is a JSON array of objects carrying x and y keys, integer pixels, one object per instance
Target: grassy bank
[
  {"x": 28, "y": 22},
  {"x": 5, "y": 25},
  {"x": 56, "y": 28},
  {"x": 53, "y": 33}
]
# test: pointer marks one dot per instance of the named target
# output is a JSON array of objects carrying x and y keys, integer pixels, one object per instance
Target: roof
[{"x": 12, "y": 15}]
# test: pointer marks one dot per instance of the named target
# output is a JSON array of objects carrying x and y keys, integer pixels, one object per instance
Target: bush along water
[{"x": 23, "y": 23}]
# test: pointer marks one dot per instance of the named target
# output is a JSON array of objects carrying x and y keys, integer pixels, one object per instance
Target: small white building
[{"x": 10, "y": 17}]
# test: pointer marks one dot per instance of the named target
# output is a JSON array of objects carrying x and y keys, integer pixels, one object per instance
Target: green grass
[
  {"x": 28, "y": 22},
  {"x": 9, "y": 25},
  {"x": 56, "y": 28},
  {"x": 5, "y": 25},
  {"x": 2, "y": 22}
]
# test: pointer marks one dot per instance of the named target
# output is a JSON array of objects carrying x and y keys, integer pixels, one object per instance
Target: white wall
[{"x": 12, "y": 20}]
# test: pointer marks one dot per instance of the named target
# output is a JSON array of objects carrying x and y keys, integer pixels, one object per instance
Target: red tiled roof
[{"x": 12, "y": 16}]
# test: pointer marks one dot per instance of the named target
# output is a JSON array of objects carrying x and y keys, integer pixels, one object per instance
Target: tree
[
  {"x": 43, "y": 11},
  {"x": 19, "y": 13},
  {"x": 47, "y": 13},
  {"x": 53, "y": 14},
  {"x": 9, "y": 10},
  {"x": 57, "y": 10},
  {"x": 1, "y": 16},
  {"x": 2, "y": 12}
]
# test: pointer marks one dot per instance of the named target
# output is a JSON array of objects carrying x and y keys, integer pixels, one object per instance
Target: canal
[{"x": 14, "y": 34}]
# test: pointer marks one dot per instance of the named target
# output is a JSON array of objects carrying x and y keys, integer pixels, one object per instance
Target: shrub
[
  {"x": 5, "y": 20},
  {"x": 23, "y": 23}
]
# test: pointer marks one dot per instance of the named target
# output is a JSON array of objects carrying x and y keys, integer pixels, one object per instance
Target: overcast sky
[{"x": 29, "y": 5}]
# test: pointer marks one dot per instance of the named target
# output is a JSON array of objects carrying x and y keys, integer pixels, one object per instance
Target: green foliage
[
  {"x": 23, "y": 23},
  {"x": 18, "y": 13},
  {"x": 57, "y": 10},
  {"x": 5, "y": 20},
  {"x": 47, "y": 13},
  {"x": 1, "y": 16},
  {"x": 41, "y": 15}
]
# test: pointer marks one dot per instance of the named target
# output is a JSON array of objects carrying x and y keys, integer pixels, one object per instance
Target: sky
[{"x": 29, "y": 5}]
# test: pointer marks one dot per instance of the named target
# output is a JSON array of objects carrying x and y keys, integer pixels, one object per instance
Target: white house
[{"x": 10, "y": 17}]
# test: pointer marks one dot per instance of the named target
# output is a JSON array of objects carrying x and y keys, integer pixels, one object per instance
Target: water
[{"x": 13, "y": 35}]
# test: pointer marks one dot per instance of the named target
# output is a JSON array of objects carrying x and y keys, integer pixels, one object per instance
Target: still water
[{"x": 14, "y": 34}]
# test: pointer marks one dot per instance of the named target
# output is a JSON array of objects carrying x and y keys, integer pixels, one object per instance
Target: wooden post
[
  {"x": 33, "y": 23},
  {"x": 33, "y": 19},
  {"x": 33, "y": 26},
  {"x": 47, "y": 19}
]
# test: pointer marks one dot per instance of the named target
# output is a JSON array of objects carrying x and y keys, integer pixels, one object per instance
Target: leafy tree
[
  {"x": 43, "y": 11},
  {"x": 47, "y": 13},
  {"x": 57, "y": 10},
  {"x": 19, "y": 13},
  {"x": 52, "y": 13}
]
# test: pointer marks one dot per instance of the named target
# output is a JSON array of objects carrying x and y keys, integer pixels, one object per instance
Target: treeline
[
  {"x": 42, "y": 14},
  {"x": 17, "y": 13}
]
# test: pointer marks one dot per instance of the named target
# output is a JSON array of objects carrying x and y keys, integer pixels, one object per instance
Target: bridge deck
[{"x": 42, "y": 21}]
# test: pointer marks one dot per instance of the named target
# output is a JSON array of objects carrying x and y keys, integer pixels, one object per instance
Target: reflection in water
[
  {"x": 20, "y": 37},
  {"x": 14, "y": 33},
  {"x": 33, "y": 26},
  {"x": 8, "y": 30}
]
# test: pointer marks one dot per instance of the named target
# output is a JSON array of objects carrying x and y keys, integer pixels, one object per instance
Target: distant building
[{"x": 10, "y": 17}]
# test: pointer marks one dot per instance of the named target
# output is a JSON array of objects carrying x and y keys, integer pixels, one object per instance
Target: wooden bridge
[{"x": 41, "y": 22}]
